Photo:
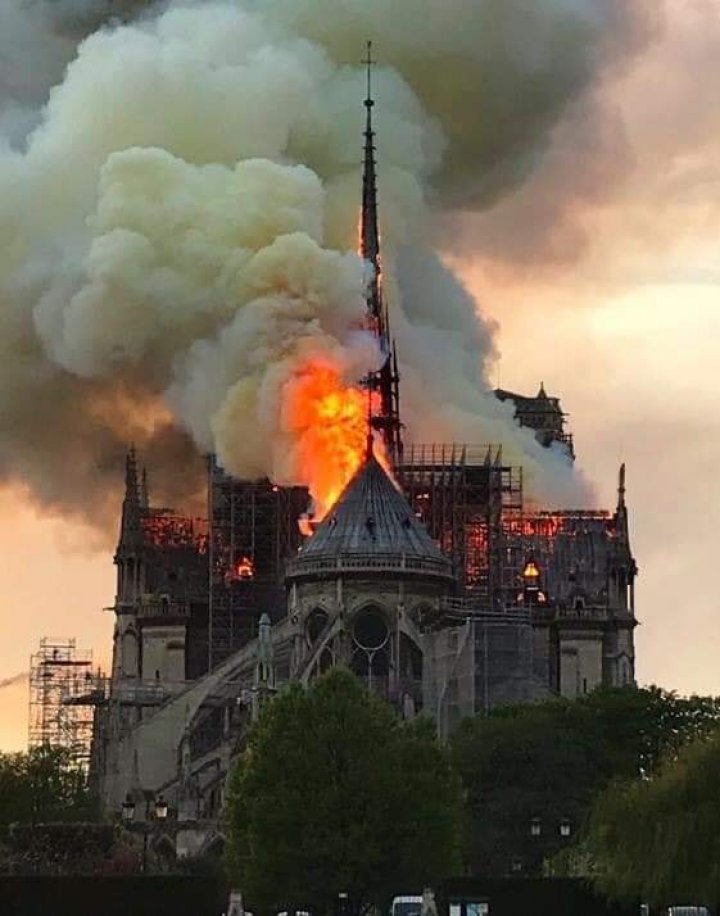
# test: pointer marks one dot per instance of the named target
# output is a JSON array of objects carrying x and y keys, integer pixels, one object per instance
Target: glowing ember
[
  {"x": 244, "y": 568},
  {"x": 329, "y": 421},
  {"x": 306, "y": 526}
]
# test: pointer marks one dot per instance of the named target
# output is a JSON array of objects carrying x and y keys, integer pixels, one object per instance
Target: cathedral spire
[
  {"x": 369, "y": 233},
  {"x": 621, "y": 487},
  {"x": 621, "y": 513},
  {"x": 130, "y": 525},
  {"x": 385, "y": 381},
  {"x": 144, "y": 490},
  {"x": 132, "y": 491}
]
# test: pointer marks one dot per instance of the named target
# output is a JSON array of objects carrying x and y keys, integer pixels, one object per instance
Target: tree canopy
[
  {"x": 659, "y": 837},
  {"x": 334, "y": 793},
  {"x": 529, "y": 769},
  {"x": 43, "y": 786}
]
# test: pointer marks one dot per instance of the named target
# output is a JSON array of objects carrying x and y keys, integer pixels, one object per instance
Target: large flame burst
[{"x": 329, "y": 423}]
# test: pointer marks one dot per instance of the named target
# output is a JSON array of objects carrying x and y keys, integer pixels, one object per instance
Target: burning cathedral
[{"x": 427, "y": 575}]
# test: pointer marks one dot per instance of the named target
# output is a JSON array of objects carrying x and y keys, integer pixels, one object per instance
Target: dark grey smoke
[
  {"x": 473, "y": 92},
  {"x": 15, "y": 679}
]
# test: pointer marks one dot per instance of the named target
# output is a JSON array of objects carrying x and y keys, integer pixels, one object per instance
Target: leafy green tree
[
  {"x": 335, "y": 794},
  {"x": 520, "y": 770},
  {"x": 659, "y": 837},
  {"x": 546, "y": 762},
  {"x": 43, "y": 786}
]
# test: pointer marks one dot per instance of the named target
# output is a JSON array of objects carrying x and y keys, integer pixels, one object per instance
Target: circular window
[{"x": 370, "y": 630}]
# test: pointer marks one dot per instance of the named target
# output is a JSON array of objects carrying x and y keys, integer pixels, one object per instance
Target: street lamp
[
  {"x": 156, "y": 809},
  {"x": 161, "y": 809},
  {"x": 128, "y": 810}
]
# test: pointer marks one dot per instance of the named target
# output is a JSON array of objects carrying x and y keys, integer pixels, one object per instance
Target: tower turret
[
  {"x": 130, "y": 542},
  {"x": 624, "y": 568},
  {"x": 130, "y": 526},
  {"x": 129, "y": 563}
]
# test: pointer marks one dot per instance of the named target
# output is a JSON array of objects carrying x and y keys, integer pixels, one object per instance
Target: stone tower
[
  {"x": 363, "y": 584},
  {"x": 128, "y": 560},
  {"x": 161, "y": 603}
]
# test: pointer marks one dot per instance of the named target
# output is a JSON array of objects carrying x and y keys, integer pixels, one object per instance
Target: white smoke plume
[{"x": 178, "y": 221}]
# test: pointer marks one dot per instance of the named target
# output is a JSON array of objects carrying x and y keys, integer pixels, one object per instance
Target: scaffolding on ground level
[{"x": 57, "y": 671}]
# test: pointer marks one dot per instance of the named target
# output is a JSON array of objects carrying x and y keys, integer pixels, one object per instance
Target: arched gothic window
[
  {"x": 371, "y": 638},
  {"x": 316, "y": 623}
]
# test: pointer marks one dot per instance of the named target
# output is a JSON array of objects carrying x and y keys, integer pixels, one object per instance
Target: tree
[
  {"x": 544, "y": 763},
  {"x": 43, "y": 786},
  {"x": 335, "y": 794},
  {"x": 659, "y": 837},
  {"x": 520, "y": 770}
]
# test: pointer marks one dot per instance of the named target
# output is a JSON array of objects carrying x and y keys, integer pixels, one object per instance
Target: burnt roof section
[{"x": 372, "y": 518}]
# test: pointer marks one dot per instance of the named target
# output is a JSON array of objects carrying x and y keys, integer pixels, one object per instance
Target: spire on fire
[{"x": 386, "y": 418}]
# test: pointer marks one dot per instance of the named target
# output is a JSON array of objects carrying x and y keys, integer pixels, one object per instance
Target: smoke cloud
[
  {"x": 177, "y": 222},
  {"x": 15, "y": 679}
]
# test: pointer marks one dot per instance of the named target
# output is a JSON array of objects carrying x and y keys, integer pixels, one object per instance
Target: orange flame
[
  {"x": 329, "y": 420},
  {"x": 244, "y": 568}
]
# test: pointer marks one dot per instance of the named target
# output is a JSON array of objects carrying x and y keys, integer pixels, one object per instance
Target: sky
[{"x": 614, "y": 308}]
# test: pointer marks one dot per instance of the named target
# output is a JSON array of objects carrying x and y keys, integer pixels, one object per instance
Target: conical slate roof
[{"x": 372, "y": 526}]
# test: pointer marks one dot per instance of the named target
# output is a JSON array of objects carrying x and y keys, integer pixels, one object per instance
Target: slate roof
[{"x": 372, "y": 519}]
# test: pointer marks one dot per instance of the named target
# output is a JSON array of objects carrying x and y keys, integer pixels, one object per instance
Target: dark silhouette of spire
[
  {"x": 132, "y": 491},
  {"x": 621, "y": 514},
  {"x": 370, "y": 234},
  {"x": 386, "y": 379},
  {"x": 130, "y": 525},
  {"x": 144, "y": 490},
  {"x": 624, "y": 568}
]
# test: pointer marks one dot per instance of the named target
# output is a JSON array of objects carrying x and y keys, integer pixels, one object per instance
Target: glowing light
[
  {"x": 531, "y": 571},
  {"x": 244, "y": 568},
  {"x": 306, "y": 525}
]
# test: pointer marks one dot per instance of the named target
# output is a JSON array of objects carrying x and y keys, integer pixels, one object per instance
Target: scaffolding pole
[{"x": 59, "y": 671}]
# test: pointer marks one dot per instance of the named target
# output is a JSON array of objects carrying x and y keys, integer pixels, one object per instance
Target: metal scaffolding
[
  {"x": 253, "y": 531},
  {"x": 57, "y": 672},
  {"x": 465, "y": 496}
]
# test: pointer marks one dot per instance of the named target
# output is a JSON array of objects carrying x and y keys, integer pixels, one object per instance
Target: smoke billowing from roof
[{"x": 178, "y": 218}]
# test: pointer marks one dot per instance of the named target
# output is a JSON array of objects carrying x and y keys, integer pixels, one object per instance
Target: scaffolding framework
[
  {"x": 466, "y": 496},
  {"x": 253, "y": 531},
  {"x": 58, "y": 671}
]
